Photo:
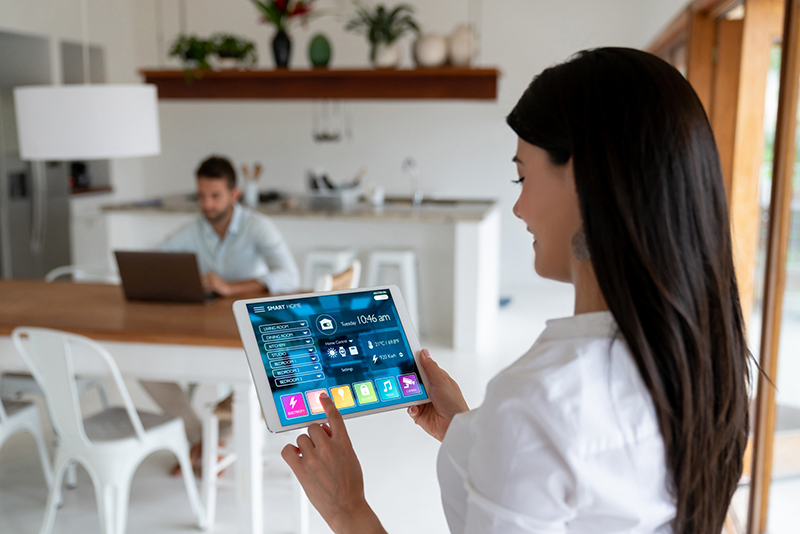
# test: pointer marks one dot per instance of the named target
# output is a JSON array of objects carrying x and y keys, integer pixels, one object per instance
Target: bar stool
[
  {"x": 320, "y": 261},
  {"x": 406, "y": 262}
]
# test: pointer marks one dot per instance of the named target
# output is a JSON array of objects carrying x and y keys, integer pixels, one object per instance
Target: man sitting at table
[{"x": 238, "y": 251}]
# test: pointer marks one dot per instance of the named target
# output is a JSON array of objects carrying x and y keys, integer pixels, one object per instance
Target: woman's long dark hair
[{"x": 653, "y": 204}]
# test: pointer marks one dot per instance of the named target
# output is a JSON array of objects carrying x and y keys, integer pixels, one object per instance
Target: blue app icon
[{"x": 387, "y": 388}]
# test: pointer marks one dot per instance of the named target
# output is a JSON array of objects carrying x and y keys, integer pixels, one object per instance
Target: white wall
[
  {"x": 463, "y": 149},
  {"x": 658, "y": 14}
]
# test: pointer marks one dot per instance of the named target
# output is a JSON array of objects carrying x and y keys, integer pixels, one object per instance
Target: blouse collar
[{"x": 595, "y": 324}]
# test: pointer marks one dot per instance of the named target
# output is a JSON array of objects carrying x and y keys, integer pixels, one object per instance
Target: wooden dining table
[{"x": 151, "y": 341}]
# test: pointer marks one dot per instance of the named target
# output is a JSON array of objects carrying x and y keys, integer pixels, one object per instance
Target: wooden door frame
[
  {"x": 780, "y": 213},
  {"x": 696, "y": 25}
]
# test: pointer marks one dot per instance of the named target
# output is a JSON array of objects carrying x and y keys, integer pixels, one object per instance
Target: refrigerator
[{"x": 34, "y": 206}]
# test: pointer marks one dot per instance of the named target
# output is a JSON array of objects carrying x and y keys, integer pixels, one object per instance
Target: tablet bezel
[{"x": 259, "y": 373}]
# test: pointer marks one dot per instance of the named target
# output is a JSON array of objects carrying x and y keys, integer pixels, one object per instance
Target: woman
[{"x": 630, "y": 416}]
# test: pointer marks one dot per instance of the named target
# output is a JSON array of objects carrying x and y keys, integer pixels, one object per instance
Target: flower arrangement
[{"x": 282, "y": 12}]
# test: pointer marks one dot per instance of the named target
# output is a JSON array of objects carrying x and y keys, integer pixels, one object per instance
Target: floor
[{"x": 398, "y": 459}]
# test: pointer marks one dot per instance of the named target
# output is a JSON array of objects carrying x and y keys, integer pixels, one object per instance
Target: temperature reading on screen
[{"x": 372, "y": 318}]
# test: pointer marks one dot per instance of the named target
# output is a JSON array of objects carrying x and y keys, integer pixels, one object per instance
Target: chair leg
[
  {"x": 122, "y": 494},
  {"x": 107, "y": 507},
  {"x": 53, "y": 497},
  {"x": 72, "y": 475},
  {"x": 36, "y": 431},
  {"x": 209, "y": 482},
  {"x": 302, "y": 508},
  {"x": 191, "y": 485}
]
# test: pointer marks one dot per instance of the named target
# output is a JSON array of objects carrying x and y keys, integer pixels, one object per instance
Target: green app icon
[{"x": 365, "y": 392}]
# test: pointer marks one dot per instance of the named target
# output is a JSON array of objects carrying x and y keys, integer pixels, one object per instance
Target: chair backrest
[
  {"x": 49, "y": 354},
  {"x": 349, "y": 278},
  {"x": 82, "y": 274},
  {"x": 324, "y": 283}
]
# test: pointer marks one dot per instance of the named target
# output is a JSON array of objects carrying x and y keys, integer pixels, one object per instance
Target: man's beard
[{"x": 220, "y": 217}]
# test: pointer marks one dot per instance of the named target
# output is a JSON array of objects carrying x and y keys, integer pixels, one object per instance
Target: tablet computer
[{"x": 357, "y": 345}]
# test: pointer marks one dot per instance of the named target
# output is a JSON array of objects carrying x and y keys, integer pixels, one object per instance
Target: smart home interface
[{"x": 351, "y": 346}]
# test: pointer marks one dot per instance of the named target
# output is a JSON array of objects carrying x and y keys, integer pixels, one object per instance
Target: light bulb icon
[{"x": 340, "y": 391}]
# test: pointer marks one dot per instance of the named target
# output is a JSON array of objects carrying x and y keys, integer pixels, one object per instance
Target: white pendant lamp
[
  {"x": 89, "y": 121},
  {"x": 92, "y": 121}
]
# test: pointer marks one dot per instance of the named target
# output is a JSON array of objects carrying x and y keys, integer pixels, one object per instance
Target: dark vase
[{"x": 281, "y": 49}]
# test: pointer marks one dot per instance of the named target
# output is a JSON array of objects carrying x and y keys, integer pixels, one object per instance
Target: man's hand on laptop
[{"x": 214, "y": 282}]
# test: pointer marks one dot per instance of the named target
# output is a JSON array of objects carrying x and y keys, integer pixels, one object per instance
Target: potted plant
[
  {"x": 233, "y": 51},
  {"x": 192, "y": 51},
  {"x": 383, "y": 27},
  {"x": 281, "y": 13}
]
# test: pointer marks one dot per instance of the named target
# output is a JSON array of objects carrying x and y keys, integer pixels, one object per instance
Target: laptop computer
[{"x": 161, "y": 276}]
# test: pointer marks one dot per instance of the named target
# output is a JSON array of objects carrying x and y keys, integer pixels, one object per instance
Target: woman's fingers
[
  {"x": 291, "y": 455},
  {"x": 335, "y": 419},
  {"x": 305, "y": 444},
  {"x": 431, "y": 368},
  {"x": 317, "y": 434}
]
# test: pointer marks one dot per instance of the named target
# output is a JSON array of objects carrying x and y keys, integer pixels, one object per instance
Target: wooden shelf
[{"x": 438, "y": 83}]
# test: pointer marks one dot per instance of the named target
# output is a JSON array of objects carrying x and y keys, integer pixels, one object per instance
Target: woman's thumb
[{"x": 431, "y": 368}]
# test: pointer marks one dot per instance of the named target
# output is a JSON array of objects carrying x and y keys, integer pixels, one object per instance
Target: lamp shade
[{"x": 74, "y": 122}]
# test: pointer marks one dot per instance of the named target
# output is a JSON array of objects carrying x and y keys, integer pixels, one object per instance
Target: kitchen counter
[
  {"x": 456, "y": 242},
  {"x": 397, "y": 208}
]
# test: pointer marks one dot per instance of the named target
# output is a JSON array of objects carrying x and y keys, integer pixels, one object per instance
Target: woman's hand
[
  {"x": 327, "y": 467},
  {"x": 446, "y": 400}
]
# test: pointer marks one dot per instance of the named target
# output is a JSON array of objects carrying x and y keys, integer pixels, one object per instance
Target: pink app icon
[
  {"x": 313, "y": 401},
  {"x": 294, "y": 406}
]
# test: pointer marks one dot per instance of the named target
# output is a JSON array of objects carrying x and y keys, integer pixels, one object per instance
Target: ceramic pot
[
  {"x": 386, "y": 56},
  {"x": 319, "y": 51},
  {"x": 431, "y": 50},
  {"x": 228, "y": 63},
  {"x": 281, "y": 49},
  {"x": 463, "y": 46}
]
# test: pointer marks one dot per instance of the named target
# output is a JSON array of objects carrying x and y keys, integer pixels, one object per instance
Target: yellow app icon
[{"x": 342, "y": 396}]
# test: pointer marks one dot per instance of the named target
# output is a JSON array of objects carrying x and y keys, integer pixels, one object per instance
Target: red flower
[
  {"x": 280, "y": 5},
  {"x": 300, "y": 8}
]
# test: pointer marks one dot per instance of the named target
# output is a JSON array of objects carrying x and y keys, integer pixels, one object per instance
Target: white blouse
[{"x": 566, "y": 441}]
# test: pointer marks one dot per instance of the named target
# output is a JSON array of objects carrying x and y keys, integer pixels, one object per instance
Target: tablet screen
[{"x": 350, "y": 345}]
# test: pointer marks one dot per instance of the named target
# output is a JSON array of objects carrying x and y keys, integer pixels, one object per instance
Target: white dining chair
[
  {"x": 83, "y": 274},
  {"x": 13, "y": 386},
  {"x": 16, "y": 417},
  {"x": 349, "y": 278},
  {"x": 111, "y": 444}
]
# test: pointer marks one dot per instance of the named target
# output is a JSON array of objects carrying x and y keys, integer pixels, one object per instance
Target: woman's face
[{"x": 548, "y": 204}]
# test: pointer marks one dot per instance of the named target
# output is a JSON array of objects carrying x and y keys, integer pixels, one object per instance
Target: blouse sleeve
[{"x": 518, "y": 478}]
